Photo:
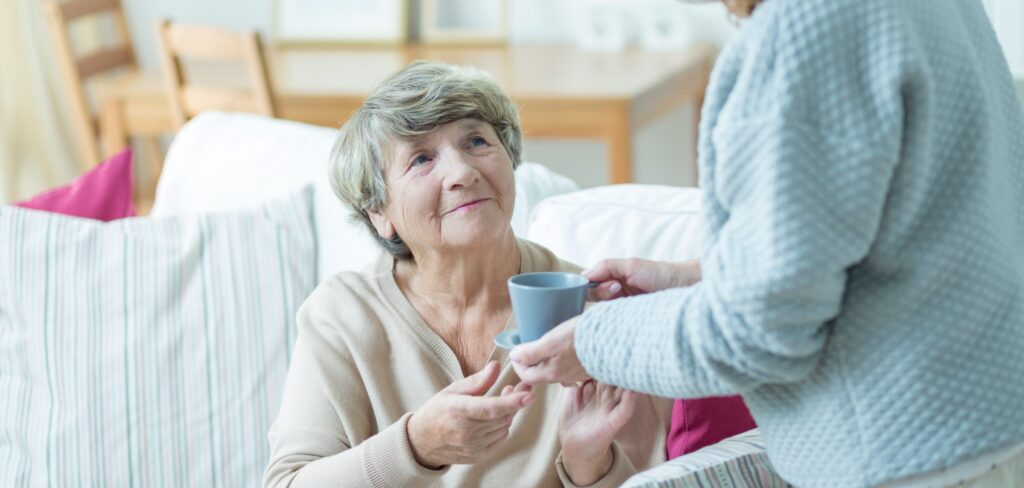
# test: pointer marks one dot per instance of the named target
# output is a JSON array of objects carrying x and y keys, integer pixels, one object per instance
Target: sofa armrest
[{"x": 737, "y": 462}]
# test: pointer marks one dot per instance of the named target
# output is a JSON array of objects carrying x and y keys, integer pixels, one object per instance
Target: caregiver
[{"x": 862, "y": 282}]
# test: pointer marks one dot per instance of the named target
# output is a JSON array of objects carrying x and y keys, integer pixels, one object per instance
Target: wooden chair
[
  {"x": 76, "y": 72},
  {"x": 205, "y": 43}
]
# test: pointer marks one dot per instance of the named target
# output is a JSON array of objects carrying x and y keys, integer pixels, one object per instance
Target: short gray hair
[{"x": 409, "y": 104}]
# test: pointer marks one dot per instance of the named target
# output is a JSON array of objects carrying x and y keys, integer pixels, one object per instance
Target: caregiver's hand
[
  {"x": 550, "y": 359},
  {"x": 459, "y": 426},
  {"x": 629, "y": 277},
  {"x": 591, "y": 416}
]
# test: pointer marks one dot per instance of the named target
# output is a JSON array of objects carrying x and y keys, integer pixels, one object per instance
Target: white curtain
[{"x": 36, "y": 141}]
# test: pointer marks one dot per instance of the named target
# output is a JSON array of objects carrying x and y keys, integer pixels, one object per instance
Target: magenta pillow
[
  {"x": 705, "y": 421},
  {"x": 103, "y": 193}
]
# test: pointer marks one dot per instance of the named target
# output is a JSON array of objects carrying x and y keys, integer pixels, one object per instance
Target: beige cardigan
[{"x": 365, "y": 360}]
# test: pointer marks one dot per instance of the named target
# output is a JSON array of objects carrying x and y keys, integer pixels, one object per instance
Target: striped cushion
[
  {"x": 737, "y": 462},
  {"x": 147, "y": 352}
]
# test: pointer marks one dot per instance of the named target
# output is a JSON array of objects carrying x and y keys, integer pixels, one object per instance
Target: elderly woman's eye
[
  {"x": 478, "y": 141},
  {"x": 421, "y": 159}
]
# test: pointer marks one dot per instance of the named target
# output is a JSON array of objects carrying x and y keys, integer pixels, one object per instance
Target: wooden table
[{"x": 562, "y": 92}]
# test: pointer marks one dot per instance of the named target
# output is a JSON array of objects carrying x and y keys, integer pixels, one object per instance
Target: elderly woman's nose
[{"x": 460, "y": 171}]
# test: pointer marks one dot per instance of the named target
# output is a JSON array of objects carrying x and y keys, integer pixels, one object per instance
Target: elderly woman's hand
[
  {"x": 629, "y": 277},
  {"x": 459, "y": 426},
  {"x": 592, "y": 415}
]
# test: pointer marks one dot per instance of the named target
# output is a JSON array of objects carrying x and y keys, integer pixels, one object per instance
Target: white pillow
[
  {"x": 223, "y": 161},
  {"x": 647, "y": 221},
  {"x": 147, "y": 351}
]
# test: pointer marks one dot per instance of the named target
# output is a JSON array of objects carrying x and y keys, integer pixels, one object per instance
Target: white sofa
[
  {"x": 222, "y": 161},
  {"x": 219, "y": 164}
]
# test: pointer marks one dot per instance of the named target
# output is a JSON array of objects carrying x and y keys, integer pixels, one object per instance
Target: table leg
[
  {"x": 152, "y": 153},
  {"x": 112, "y": 130},
  {"x": 620, "y": 148}
]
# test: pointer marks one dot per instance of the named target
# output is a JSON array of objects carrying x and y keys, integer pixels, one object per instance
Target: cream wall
[
  {"x": 661, "y": 155},
  {"x": 662, "y": 151}
]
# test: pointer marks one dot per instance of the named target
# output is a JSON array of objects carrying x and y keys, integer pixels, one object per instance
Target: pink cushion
[
  {"x": 705, "y": 421},
  {"x": 103, "y": 193}
]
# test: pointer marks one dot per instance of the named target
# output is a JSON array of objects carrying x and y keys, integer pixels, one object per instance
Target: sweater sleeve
[
  {"x": 801, "y": 146},
  {"x": 807, "y": 210},
  {"x": 309, "y": 442},
  {"x": 620, "y": 471}
]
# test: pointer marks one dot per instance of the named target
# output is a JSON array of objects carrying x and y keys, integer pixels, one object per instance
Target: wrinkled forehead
[
  {"x": 461, "y": 125},
  {"x": 399, "y": 145}
]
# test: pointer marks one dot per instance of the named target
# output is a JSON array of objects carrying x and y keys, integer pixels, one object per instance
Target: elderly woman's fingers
[
  {"x": 623, "y": 410},
  {"x": 580, "y": 400},
  {"x": 478, "y": 383},
  {"x": 611, "y": 395},
  {"x": 589, "y": 390},
  {"x": 492, "y": 408},
  {"x": 618, "y": 394},
  {"x": 520, "y": 387}
]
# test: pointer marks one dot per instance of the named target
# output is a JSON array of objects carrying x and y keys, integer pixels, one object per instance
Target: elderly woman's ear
[{"x": 381, "y": 223}]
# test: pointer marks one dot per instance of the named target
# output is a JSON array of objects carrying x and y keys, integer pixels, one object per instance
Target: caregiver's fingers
[
  {"x": 609, "y": 269},
  {"x": 607, "y": 290},
  {"x": 535, "y": 352}
]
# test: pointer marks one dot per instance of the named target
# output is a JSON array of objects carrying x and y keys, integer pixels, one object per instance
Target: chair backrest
[
  {"x": 75, "y": 71},
  {"x": 205, "y": 43}
]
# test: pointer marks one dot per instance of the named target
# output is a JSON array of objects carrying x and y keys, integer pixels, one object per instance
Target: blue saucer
[{"x": 508, "y": 339}]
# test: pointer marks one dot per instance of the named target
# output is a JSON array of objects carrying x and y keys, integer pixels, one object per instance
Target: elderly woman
[{"x": 395, "y": 379}]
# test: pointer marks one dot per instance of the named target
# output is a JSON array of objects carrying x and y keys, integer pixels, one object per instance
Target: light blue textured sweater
[{"x": 863, "y": 166}]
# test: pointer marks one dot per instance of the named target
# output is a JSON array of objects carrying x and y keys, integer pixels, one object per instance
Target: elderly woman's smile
[
  {"x": 453, "y": 186},
  {"x": 469, "y": 206}
]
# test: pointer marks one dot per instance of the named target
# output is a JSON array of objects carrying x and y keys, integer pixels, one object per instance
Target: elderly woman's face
[{"x": 451, "y": 189}]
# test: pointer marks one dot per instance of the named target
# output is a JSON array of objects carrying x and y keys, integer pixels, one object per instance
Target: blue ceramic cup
[{"x": 541, "y": 301}]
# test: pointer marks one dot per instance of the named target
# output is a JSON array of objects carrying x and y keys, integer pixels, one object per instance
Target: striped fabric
[
  {"x": 737, "y": 462},
  {"x": 147, "y": 352}
]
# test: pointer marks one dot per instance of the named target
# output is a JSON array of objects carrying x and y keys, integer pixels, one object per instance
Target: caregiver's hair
[{"x": 406, "y": 106}]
